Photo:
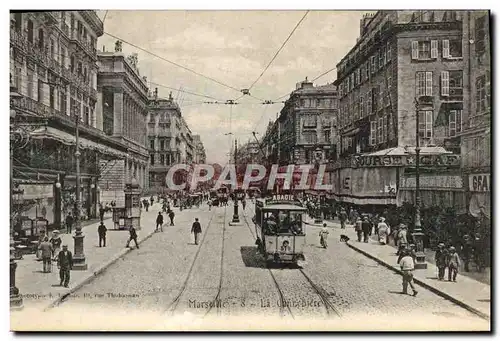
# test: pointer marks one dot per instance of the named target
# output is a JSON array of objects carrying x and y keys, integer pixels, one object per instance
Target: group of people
[{"x": 50, "y": 250}]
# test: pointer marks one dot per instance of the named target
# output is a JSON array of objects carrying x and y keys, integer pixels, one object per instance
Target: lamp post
[
  {"x": 79, "y": 262},
  {"x": 418, "y": 235},
  {"x": 236, "y": 218}
]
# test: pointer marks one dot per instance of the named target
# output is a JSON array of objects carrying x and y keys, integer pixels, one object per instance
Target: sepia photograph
[{"x": 250, "y": 170}]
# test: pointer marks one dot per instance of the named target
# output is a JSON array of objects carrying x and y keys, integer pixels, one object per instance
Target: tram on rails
[{"x": 281, "y": 236}]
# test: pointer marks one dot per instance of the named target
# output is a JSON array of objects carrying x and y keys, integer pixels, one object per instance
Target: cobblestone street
[{"x": 170, "y": 276}]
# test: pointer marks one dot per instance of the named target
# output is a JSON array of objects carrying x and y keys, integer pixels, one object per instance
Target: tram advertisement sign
[{"x": 282, "y": 199}]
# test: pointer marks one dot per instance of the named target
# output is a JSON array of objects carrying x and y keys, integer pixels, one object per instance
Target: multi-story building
[
  {"x": 54, "y": 76},
  {"x": 269, "y": 143},
  {"x": 121, "y": 113},
  {"x": 404, "y": 64},
  {"x": 473, "y": 128},
  {"x": 200, "y": 156},
  {"x": 306, "y": 125},
  {"x": 170, "y": 140}
]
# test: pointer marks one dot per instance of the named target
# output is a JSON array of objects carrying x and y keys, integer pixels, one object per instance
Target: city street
[{"x": 169, "y": 278}]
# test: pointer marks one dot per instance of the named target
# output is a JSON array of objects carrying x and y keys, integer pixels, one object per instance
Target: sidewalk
[
  {"x": 467, "y": 292},
  {"x": 38, "y": 288}
]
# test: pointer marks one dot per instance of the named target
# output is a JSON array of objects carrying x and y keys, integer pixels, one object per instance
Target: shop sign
[
  {"x": 479, "y": 182},
  {"x": 37, "y": 191},
  {"x": 433, "y": 182},
  {"x": 360, "y": 161}
]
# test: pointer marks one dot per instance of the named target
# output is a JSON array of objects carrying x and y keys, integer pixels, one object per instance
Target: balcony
[
  {"x": 65, "y": 29},
  {"x": 77, "y": 39}
]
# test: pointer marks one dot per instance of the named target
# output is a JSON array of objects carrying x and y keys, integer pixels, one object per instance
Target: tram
[{"x": 281, "y": 236}]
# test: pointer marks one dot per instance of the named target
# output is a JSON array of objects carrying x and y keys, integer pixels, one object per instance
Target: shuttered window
[
  {"x": 373, "y": 132},
  {"x": 434, "y": 49},
  {"x": 445, "y": 83},
  {"x": 414, "y": 50},
  {"x": 428, "y": 83}
]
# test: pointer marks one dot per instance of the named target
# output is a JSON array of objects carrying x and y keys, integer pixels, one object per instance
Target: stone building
[
  {"x": 53, "y": 76},
  {"x": 170, "y": 140},
  {"x": 121, "y": 113},
  {"x": 404, "y": 64},
  {"x": 200, "y": 156}
]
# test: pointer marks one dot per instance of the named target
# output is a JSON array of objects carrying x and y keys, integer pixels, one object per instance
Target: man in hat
[
  {"x": 343, "y": 218},
  {"x": 196, "y": 229},
  {"x": 407, "y": 266},
  {"x": 133, "y": 236},
  {"x": 159, "y": 222},
  {"x": 441, "y": 258},
  {"x": 101, "y": 231},
  {"x": 383, "y": 231},
  {"x": 46, "y": 250},
  {"x": 359, "y": 228},
  {"x": 65, "y": 264},
  {"x": 69, "y": 223},
  {"x": 453, "y": 264},
  {"x": 367, "y": 228},
  {"x": 402, "y": 238}
]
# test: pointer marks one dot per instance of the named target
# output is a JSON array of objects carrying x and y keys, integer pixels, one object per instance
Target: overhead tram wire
[
  {"x": 104, "y": 19},
  {"x": 279, "y": 50},
  {"x": 173, "y": 63},
  {"x": 185, "y": 91}
]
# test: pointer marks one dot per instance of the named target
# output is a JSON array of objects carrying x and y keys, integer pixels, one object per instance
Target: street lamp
[
  {"x": 79, "y": 262},
  {"x": 418, "y": 235}
]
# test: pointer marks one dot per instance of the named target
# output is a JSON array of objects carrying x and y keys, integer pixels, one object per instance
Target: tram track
[
  {"x": 330, "y": 308},
  {"x": 175, "y": 302}
]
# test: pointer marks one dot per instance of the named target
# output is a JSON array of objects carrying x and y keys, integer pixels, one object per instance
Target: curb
[
  {"x": 425, "y": 285},
  {"x": 100, "y": 269}
]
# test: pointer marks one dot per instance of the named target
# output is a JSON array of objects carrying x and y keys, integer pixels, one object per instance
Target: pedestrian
[
  {"x": 196, "y": 229},
  {"x": 65, "y": 265},
  {"x": 453, "y": 264},
  {"x": 209, "y": 205},
  {"x": 101, "y": 212},
  {"x": 441, "y": 257},
  {"x": 243, "y": 204},
  {"x": 101, "y": 231},
  {"x": 171, "y": 215},
  {"x": 56, "y": 242},
  {"x": 402, "y": 239},
  {"x": 383, "y": 231},
  {"x": 152, "y": 199},
  {"x": 367, "y": 228},
  {"x": 323, "y": 236},
  {"x": 343, "y": 218},
  {"x": 467, "y": 251},
  {"x": 46, "y": 250},
  {"x": 41, "y": 238},
  {"x": 159, "y": 222},
  {"x": 407, "y": 266},
  {"x": 133, "y": 236},
  {"x": 359, "y": 228},
  {"x": 69, "y": 223}
]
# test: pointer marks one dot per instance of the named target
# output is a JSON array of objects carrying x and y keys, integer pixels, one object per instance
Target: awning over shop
[
  {"x": 68, "y": 139},
  {"x": 365, "y": 201},
  {"x": 428, "y": 198},
  {"x": 400, "y": 151},
  {"x": 480, "y": 203}
]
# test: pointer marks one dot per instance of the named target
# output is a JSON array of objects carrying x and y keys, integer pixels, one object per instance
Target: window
[
  {"x": 79, "y": 68},
  {"x": 162, "y": 159},
  {"x": 62, "y": 100},
  {"x": 152, "y": 159},
  {"x": 373, "y": 133},
  {"x": 375, "y": 96},
  {"x": 318, "y": 102},
  {"x": 51, "y": 96},
  {"x": 367, "y": 69},
  {"x": 452, "y": 49},
  {"x": 30, "y": 84},
  {"x": 425, "y": 124},
  {"x": 482, "y": 103},
  {"x": 52, "y": 48},
  {"x": 86, "y": 116},
  {"x": 327, "y": 134},
  {"x": 18, "y": 17},
  {"x": 72, "y": 63},
  {"x": 369, "y": 106},
  {"x": 63, "y": 57},
  {"x": 152, "y": 144},
  {"x": 41, "y": 44},
  {"x": 30, "y": 31},
  {"x": 455, "y": 82},
  {"x": 381, "y": 57},
  {"x": 162, "y": 144},
  {"x": 373, "y": 64},
  {"x": 380, "y": 130},
  {"x": 424, "y": 83},
  {"x": 384, "y": 127},
  {"x": 40, "y": 91},
  {"x": 310, "y": 137},
  {"x": 361, "y": 106},
  {"x": 455, "y": 122},
  {"x": 302, "y": 102},
  {"x": 310, "y": 121},
  {"x": 480, "y": 41},
  {"x": 424, "y": 50}
]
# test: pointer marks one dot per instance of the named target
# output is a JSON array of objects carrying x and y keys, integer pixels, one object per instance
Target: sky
[{"x": 232, "y": 47}]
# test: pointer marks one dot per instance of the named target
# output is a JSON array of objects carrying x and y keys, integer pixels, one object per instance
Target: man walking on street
[
  {"x": 407, "y": 266},
  {"x": 171, "y": 215},
  {"x": 101, "y": 230},
  {"x": 359, "y": 228},
  {"x": 46, "y": 252},
  {"x": 453, "y": 264},
  {"x": 367, "y": 228},
  {"x": 343, "y": 218},
  {"x": 196, "y": 229},
  {"x": 159, "y": 222},
  {"x": 69, "y": 223},
  {"x": 441, "y": 258},
  {"x": 65, "y": 264},
  {"x": 101, "y": 212},
  {"x": 133, "y": 236}
]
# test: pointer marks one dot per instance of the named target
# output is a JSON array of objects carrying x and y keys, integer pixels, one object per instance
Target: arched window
[
  {"x": 40, "y": 39},
  {"x": 30, "y": 31}
]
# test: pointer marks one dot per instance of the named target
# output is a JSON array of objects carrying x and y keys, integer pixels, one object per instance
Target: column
[
  {"x": 118, "y": 113},
  {"x": 98, "y": 111}
]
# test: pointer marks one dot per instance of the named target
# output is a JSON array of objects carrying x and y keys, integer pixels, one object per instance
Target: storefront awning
[
  {"x": 400, "y": 151},
  {"x": 68, "y": 139},
  {"x": 429, "y": 198},
  {"x": 480, "y": 203}
]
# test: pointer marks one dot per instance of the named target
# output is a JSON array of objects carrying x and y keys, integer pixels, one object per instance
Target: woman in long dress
[
  {"x": 383, "y": 231},
  {"x": 56, "y": 242}
]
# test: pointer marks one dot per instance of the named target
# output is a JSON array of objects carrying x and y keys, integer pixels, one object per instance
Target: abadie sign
[
  {"x": 282, "y": 199},
  {"x": 479, "y": 182}
]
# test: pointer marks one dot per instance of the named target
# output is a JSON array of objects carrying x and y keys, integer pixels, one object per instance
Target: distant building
[
  {"x": 200, "y": 156},
  {"x": 170, "y": 140},
  {"x": 121, "y": 113}
]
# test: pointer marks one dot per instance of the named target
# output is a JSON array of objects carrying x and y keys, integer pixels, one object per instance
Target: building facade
[
  {"x": 200, "y": 156},
  {"x": 121, "y": 114},
  {"x": 53, "y": 77},
  {"x": 170, "y": 140},
  {"x": 404, "y": 64}
]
